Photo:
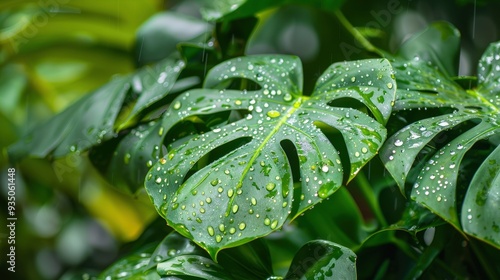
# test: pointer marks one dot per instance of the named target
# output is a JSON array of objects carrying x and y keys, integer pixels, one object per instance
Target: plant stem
[
  {"x": 370, "y": 197},
  {"x": 356, "y": 34}
]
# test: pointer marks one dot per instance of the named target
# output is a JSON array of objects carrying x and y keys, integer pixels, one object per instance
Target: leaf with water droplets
[
  {"x": 462, "y": 119},
  {"x": 143, "y": 264},
  {"x": 192, "y": 266},
  {"x": 480, "y": 208},
  {"x": 321, "y": 259},
  {"x": 246, "y": 191}
]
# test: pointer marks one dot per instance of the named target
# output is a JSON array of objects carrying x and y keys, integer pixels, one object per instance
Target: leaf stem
[{"x": 356, "y": 34}]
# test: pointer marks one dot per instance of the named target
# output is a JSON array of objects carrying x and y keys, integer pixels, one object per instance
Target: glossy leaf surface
[
  {"x": 474, "y": 119},
  {"x": 248, "y": 191},
  {"x": 322, "y": 259}
]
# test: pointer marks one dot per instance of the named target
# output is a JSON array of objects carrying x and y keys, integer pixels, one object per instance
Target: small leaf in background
[
  {"x": 322, "y": 259},
  {"x": 158, "y": 37},
  {"x": 438, "y": 44},
  {"x": 247, "y": 192}
]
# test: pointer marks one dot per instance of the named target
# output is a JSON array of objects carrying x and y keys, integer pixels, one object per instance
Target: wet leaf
[
  {"x": 131, "y": 267},
  {"x": 143, "y": 264},
  {"x": 321, "y": 259},
  {"x": 91, "y": 120},
  {"x": 247, "y": 192},
  {"x": 194, "y": 266},
  {"x": 473, "y": 119}
]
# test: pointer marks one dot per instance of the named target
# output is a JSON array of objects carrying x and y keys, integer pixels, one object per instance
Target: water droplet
[
  {"x": 364, "y": 150},
  {"x": 214, "y": 182},
  {"x": 398, "y": 143},
  {"x": 389, "y": 85},
  {"x": 218, "y": 238},
  {"x": 273, "y": 114},
  {"x": 177, "y": 105},
  {"x": 211, "y": 231},
  {"x": 222, "y": 227},
  {"x": 163, "y": 161},
  {"x": 274, "y": 224},
  {"x": 270, "y": 186},
  {"x": 232, "y": 230},
  {"x": 235, "y": 208},
  {"x": 353, "y": 79},
  {"x": 287, "y": 97},
  {"x": 230, "y": 193},
  {"x": 267, "y": 221},
  {"x": 253, "y": 201},
  {"x": 208, "y": 200},
  {"x": 160, "y": 131},
  {"x": 242, "y": 226}
]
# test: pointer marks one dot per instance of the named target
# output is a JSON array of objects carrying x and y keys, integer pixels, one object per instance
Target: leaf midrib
[{"x": 296, "y": 105}]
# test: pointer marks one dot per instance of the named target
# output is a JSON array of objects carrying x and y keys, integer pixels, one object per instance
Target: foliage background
[{"x": 54, "y": 52}]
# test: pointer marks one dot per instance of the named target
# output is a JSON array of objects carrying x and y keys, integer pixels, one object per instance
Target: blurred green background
[{"x": 52, "y": 52}]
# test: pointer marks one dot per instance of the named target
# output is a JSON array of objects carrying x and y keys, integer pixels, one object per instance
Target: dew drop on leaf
[
  {"x": 211, "y": 231},
  {"x": 177, "y": 105},
  {"x": 273, "y": 114},
  {"x": 270, "y": 186}
]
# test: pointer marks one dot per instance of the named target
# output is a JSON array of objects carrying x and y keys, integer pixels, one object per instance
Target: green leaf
[
  {"x": 13, "y": 82},
  {"x": 194, "y": 266},
  {"x": 480, "y": 208},
  {"x": 91, "y": 120},
  {"x": 158, "y": 37},
  {"x": 474, "y": 119},
  {"x": 143, "y": 264},
  {"x": 439, "y": 43},
  {"x": 131, "y": 267},
  {"x": 321, "y": 259},
  {"x": 247, "y": 190},
  {"x": 248, "y": 261}
]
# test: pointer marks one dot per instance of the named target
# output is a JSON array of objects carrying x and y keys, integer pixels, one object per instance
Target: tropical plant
[{"x": 262, "y": 170}]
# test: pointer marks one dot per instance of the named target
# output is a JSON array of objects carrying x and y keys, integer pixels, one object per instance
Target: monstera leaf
[
  {"x": 249, "y": 191},
  {"x": 474, "y": 119}
]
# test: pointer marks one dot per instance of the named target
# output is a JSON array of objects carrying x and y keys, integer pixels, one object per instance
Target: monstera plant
[{"x": 386, "y": 166}]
